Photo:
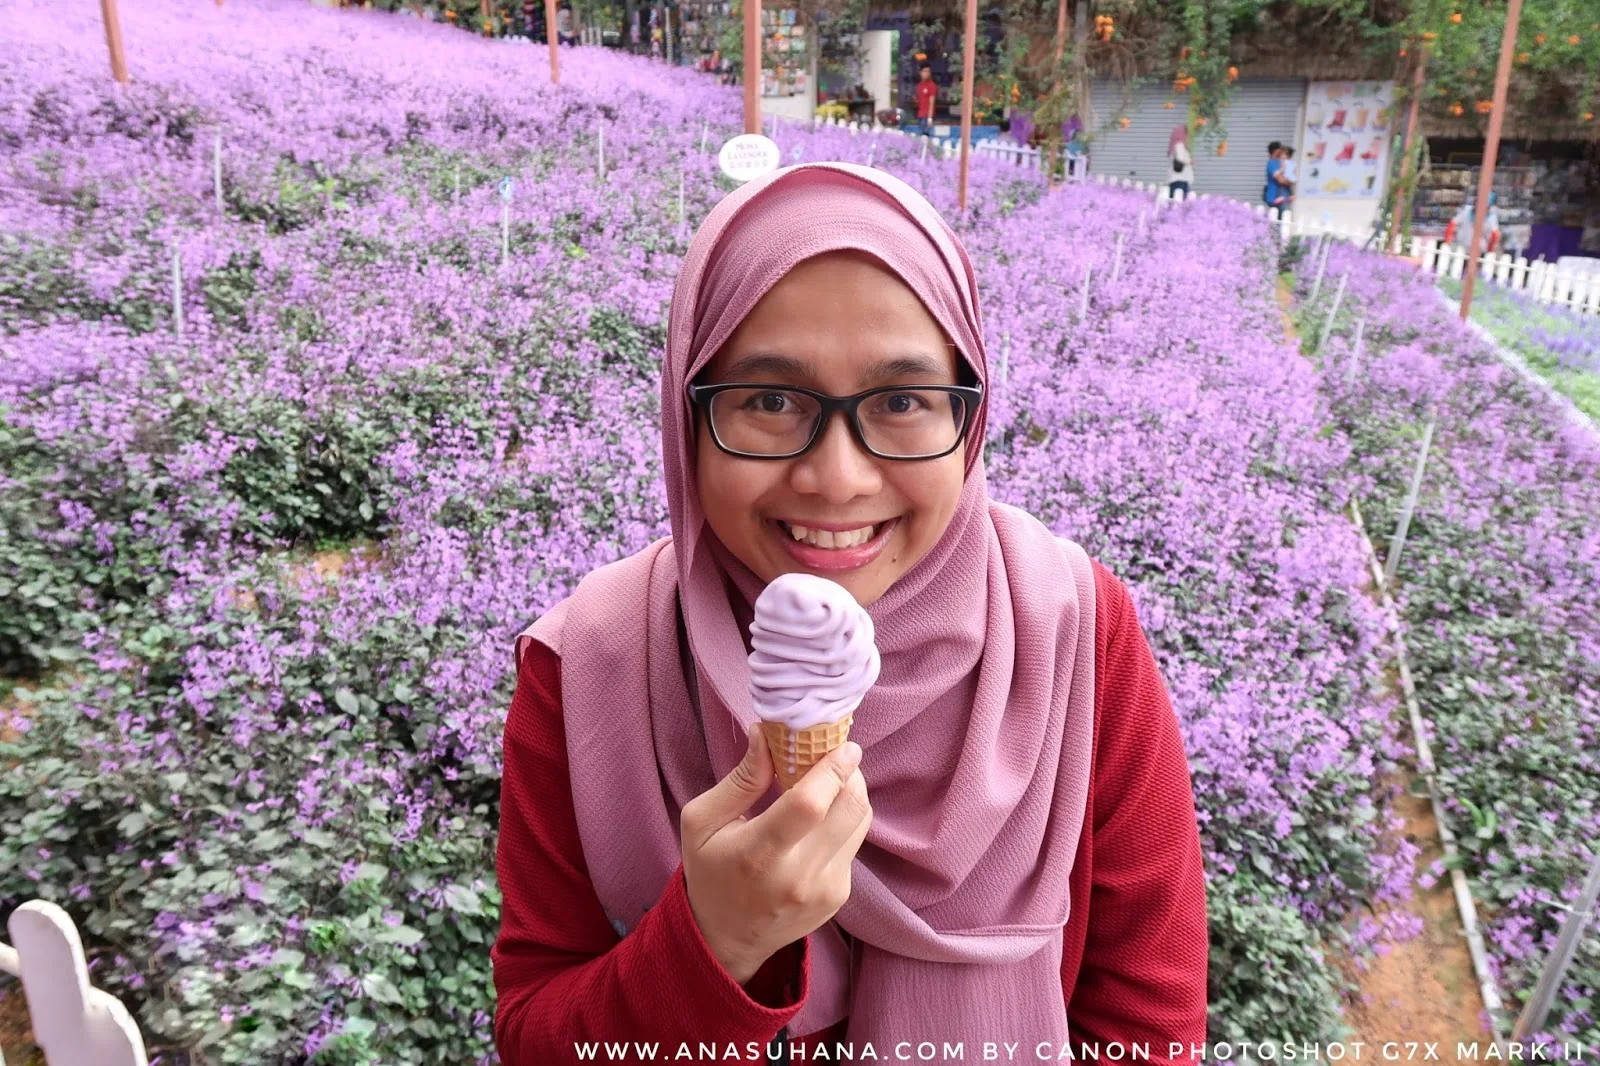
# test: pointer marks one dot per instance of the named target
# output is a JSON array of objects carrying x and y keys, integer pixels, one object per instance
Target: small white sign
[
  {"x": 749, "y": 156},
  {"x": 507, "y": 187}
]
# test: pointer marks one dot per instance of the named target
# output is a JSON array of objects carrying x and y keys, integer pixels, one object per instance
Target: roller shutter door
[{"x": 1262, "y": 110}]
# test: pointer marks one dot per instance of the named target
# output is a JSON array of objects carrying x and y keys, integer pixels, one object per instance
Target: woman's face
[{"x": 839, "y": 324}]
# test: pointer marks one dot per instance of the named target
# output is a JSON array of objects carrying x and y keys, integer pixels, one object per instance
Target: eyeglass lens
[{"x": 904, "y": 423}]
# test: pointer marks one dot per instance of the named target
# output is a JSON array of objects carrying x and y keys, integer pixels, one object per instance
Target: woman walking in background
[{"x": 1182, "y": 163}]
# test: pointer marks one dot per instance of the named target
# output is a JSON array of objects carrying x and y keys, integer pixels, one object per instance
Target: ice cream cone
[{"x": 796, "y": 751}]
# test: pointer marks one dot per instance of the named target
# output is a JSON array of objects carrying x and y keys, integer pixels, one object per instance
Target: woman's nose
[{"x": 837, "y": 468}]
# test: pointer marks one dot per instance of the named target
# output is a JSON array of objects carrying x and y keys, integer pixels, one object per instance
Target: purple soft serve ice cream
[{"x": 814, "y": 654}]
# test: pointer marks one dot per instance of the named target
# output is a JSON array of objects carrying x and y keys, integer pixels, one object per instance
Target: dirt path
[{"x": 1424, "y": 989}]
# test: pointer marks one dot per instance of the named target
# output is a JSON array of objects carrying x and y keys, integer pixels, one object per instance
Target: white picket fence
[{"x": 74, "y": 1023}]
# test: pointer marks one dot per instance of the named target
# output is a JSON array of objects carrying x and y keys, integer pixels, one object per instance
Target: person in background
[
  {"x": 564, "y": 25},
  {"x": 927, "y": 99},
  {"x": 1275, "y": 195},
  {"x": 1290, "y": 174},
  {"x": 1182, "y": 175},
  {"x": 1459, "y": 231}
]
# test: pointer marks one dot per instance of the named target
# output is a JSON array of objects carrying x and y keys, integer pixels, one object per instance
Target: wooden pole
[
  {"x": 752, "y": 66},
  {"x": 555, "y": 42},
  {"x": 119, "y": 59},
  {"x": 1061, "y": 50},
  {"x": 969, "y": 56},
  {"x": 1491, "y": 149},
  {"x": 1403, "y": 195}
]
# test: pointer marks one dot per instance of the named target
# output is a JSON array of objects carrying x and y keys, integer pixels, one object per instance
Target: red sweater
[{"x": 1135, "y": 948}]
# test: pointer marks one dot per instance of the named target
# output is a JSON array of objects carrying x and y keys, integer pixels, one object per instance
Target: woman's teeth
[{"x": 823, "y": 538}]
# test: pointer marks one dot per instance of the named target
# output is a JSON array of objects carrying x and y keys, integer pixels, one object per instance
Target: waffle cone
[{"x": 810, "y": 746}]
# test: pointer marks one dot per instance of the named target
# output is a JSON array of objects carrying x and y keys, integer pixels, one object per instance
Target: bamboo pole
[
  {"x": 113, "y": 24},
  {"x": 554, "y": 41},
  {"x": 1491, "y": 149},
  {"x": 969, "y": 56},
  {"x": 1403, "y": 195},
  {"x": 752, "y": 66}
]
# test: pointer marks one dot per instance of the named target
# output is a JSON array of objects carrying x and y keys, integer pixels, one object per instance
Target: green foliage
[
  {"x": 371, "y": 917},
  {"x": 1270, "y": 976}
]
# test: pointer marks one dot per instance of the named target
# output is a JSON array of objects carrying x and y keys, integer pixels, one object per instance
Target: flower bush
[
  {"x": 269, "y": 796},
  {"x": 1499, "y": 590},
  {"x": 1561, "y": 345}
]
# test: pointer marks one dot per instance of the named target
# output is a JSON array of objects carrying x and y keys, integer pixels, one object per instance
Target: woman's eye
[
  {"x": 773, "y": 403},
  {"x": 902, "y": 403}
]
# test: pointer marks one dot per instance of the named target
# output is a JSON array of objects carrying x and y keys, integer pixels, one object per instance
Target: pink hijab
[
  {"x": 1180, "y": 135},
  {"x": 977, "y": 736}
]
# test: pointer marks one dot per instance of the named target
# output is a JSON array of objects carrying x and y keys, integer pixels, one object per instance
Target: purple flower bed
[
  {"x": 1499, "y": 589},
  {"x": 270, "y": 799}
]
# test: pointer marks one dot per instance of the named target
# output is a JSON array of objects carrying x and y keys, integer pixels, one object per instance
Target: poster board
[
  {"x": 1345, "y": 139},
  {"x": 786, "y": 43}
]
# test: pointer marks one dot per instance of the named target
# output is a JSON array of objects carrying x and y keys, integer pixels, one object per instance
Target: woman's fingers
[
  {"x": 842, "y": 830},
  {"x": 799, "y": 811}
]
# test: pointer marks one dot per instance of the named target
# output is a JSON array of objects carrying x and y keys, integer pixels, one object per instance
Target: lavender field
[
  {"x": 260, "y": 575},
  {"x": 1499, "y": 593}
]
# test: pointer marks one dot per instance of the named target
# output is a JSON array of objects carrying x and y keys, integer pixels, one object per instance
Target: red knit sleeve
[
  {"x": 562, "y": 975},
  {"x": 1134, "y": 958}
]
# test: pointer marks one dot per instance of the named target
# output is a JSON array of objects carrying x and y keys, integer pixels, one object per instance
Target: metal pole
[
  {"x": 113, "y": 24},
  {"x": 505, "y": 231},
  {"x": 1321, "y": 255},
  {"x": 177, "y": 291},
  {"x": 1083, "y": 306},
  {"x": 1356, "y": 350},
  {"x": 1116, "y": 260},
  {"x": 1338, "y": 298},
  {"x": 1491, "y": 149},
  {"x": 553, "y": 40},
  {"x": 705, "y": 127},
  {"x": 216, "y": 169},
  {"x": 969, "y": 56},
  {"x": 1533, "y": 1015},
  {"x": 1403, "y": 199},
  {"x": 752, "y": 66},
  {"x": 1398, "y": 542}
]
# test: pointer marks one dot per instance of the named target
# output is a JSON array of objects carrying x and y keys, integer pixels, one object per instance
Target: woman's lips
[{"x": 834, "y": 559}]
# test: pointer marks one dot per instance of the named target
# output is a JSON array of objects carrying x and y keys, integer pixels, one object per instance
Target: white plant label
[
  {"x": 507, "y": 187},
  {"x": 748, "y": 156}
]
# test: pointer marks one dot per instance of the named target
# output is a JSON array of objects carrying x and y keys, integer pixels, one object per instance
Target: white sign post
[
  {"x": 507, "y": 187},
  {"x": 748, "y": 156},
  {"x": 177, "y": 291}
]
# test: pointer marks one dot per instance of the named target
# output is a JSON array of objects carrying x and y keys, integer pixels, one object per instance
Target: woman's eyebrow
[
  {"x": 905, "y": 366},
  {"x": 767, "y": 363}
]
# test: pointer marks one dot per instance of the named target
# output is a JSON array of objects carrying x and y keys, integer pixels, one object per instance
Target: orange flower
[
  {"x": 1456, "y": 18},
  {"x": 1222, "y": 148},
  {"x": 1233, "y": 72},
  {"x": 1124, "y": 122},
  {"x": 1538, "y": 39},
  {"x": 1168, "y": 105},
  {"x": 1485, "y": 106},
  {"x": 1573, "y": 39},
  {"x": 1183, "y": 54},
  {"x": 1523, "y": 57},
  {"x": 1429, "y": 35},
  {"x": 1201, "y": 121},
  {"x": 1588, "y": 116},
  {"x": 1457, "y": 110},
  {"x": 1402, "y": 53}
]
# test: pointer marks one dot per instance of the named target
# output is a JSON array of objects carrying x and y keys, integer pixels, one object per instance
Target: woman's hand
[{"x": 758, "y": 884}]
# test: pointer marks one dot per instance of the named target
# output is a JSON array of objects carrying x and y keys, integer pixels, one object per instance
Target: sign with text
[{"x": 749, "y": 156}]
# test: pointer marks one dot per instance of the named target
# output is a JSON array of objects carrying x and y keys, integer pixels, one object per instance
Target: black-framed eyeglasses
[{"x": 893, "y": 422}]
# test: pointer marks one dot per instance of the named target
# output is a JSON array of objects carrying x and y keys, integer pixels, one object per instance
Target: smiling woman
[{"x": 1005, "y": 849}]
